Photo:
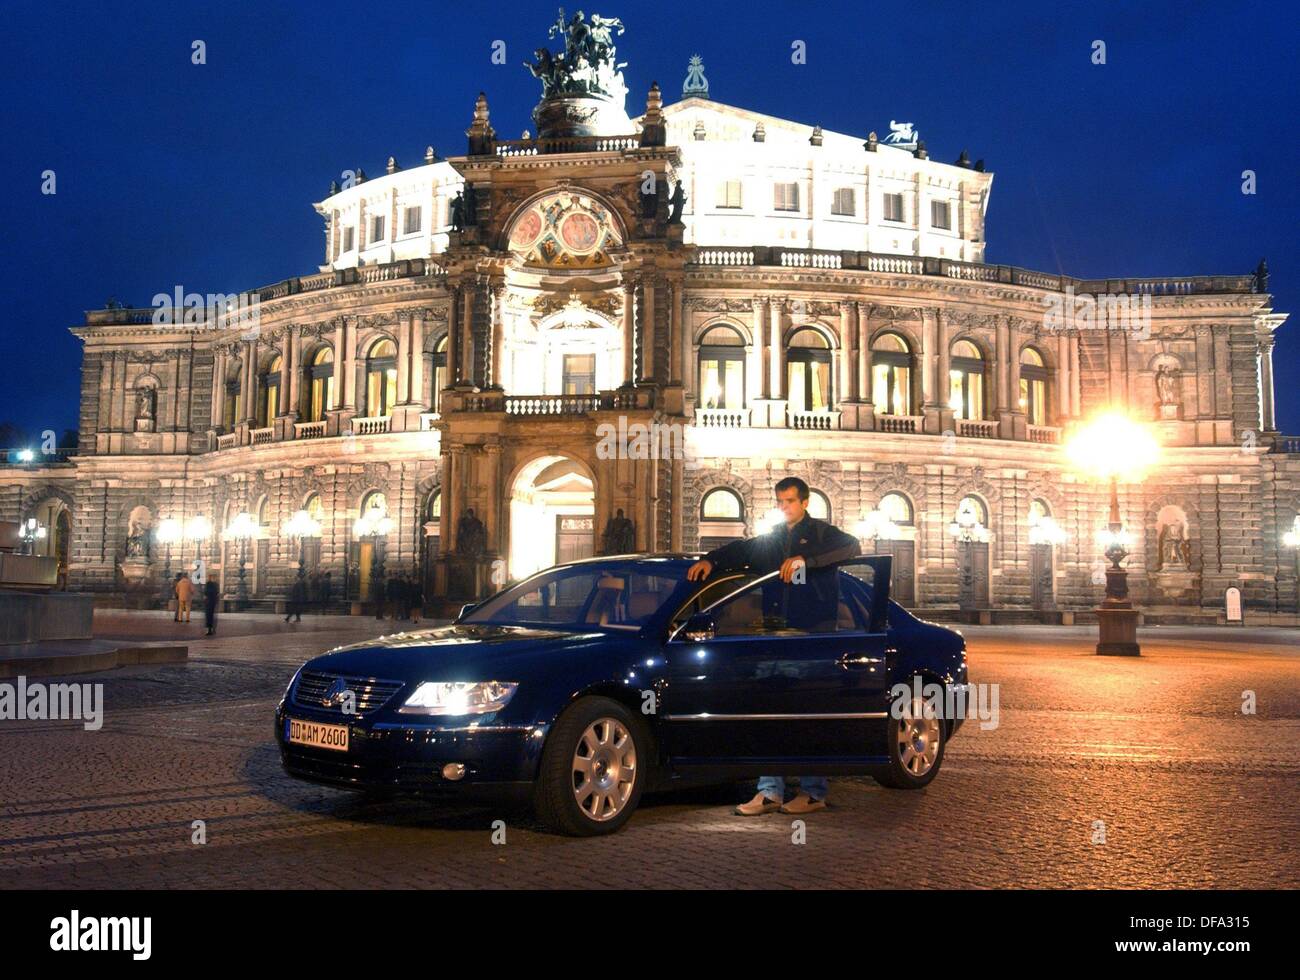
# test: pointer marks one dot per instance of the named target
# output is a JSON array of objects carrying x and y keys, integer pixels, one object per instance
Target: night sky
[{"x": 203, "y": 176}]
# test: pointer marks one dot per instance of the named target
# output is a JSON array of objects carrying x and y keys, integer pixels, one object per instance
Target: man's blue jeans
[{"x": 773, "y": 787}]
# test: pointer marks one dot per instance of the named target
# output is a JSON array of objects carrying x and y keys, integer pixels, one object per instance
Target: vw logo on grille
[{"x": 335, "y": 693}]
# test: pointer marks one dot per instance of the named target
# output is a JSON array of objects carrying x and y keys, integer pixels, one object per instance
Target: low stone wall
[{"x": 26, "y": 617}]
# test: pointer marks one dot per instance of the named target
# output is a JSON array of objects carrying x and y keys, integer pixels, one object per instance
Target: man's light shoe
[
  {"x": 803, "y": 803},
  {"x": 760, "y": 804}
]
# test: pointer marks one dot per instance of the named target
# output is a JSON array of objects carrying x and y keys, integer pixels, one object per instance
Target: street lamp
[
  {"x": 1291, "y": 539},
  {"x": 967, "y": 527},
  {"x": 772, "y": 519},
  {"x": 302, "y": 526},
  {"x": 243, "y": 527},
  {"x": 1113, "y": 447},
  {"x": 875, "y": 524},
  {"x": 29, "y": 533}
]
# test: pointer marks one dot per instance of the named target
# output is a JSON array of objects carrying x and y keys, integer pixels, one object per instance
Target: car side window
[{"x": 775, "y": 608}]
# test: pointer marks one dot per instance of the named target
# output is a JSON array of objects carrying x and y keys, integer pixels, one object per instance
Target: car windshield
[{"x": 615, "y": 595}]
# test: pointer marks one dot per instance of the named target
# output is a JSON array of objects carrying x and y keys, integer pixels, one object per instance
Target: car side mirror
[
  {"x": 466, "y": 609},
  {"x": 698, "y": 629}
]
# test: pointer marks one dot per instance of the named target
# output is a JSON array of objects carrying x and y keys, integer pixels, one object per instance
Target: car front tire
[
  {"x": 916, "y": 742},
  {"x": 593, "y": 769}
]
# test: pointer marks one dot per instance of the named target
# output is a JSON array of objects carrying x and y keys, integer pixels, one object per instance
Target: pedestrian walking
[
  {"x": 184, "y": 592},
  {"x": 211, "y": 596}
]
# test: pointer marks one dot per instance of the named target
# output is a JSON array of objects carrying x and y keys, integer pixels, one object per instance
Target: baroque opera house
[{"x": 618, "y": 333}]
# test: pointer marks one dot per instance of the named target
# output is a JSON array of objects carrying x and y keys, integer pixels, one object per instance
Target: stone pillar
[
  {"x": 348, "y": 357},
  {"x": 417, "y": 358},
  {"x": 629, "y": 332},
  {"x": 756, "y": 384},
  {"x": 1267, "y": 419},
  {"x": 943, "y": 361},
  {"x": 675, "y": 525},
  {"x": 1064, "y": 378},
  {"x": 848, "y": 389},
  {"x": 295, "y": 372},
  {"x": 467, "y": 352},
  {"x": 862, "y": 314},
  {"x": 218, "y": 386},
  {"x": 453, "y": 344},
  {"x": 646, "y": 326},
  {"x": 403, "y": 357},
  {"x": 776, "y": 382},
  {"x": 250, "y": 381},
  {"x": 495, "y": 351}
]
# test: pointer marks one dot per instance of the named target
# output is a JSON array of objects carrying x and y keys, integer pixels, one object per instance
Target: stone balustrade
[
  {"x": 977, "y": 428},
  {"x": 371, "y": 426}
]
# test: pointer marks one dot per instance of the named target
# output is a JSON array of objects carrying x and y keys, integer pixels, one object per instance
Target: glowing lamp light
[
  {"x": 1113, "y": 447},
  {"x": 243, "y": 527},
  {"x": 876, "y": 524},
  {"x": 1045, "y": 530},
  {"x": 967, "y": 526},
  {"x": 168, "y": 531},
  {"x": 1291, "y": 538},
  {"x": 302, "y": 525},
  {"x": 26, "y": 455},
  {"x": 374, "y": 523},
  {"x": 772, "y": 519},
  {"x": 198, "y": 528}
]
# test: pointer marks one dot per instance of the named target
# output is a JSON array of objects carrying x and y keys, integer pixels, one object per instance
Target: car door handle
[{"x": 858, "y": 661}]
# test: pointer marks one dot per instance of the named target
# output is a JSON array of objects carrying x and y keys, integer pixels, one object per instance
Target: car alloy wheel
[
  {"x": 918, "y": 739},
  {"x": 604, "y": 769}
]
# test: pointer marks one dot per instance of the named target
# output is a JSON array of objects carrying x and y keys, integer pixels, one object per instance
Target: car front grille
[{"x": 371, "y": 693}]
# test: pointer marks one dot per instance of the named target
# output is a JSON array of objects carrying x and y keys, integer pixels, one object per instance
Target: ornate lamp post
[
  {"x": 1291, "y": 539},
  {"x": 167, "y": 533},
  {"x": 1113, "y": 447},
  {"x": 302, "y": 526},
  {"x": 243, "y": 527},
  {"x": 967, "y": 527}
]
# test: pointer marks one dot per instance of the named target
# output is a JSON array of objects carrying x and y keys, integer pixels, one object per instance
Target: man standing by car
[{"x": 801, "y": 548}]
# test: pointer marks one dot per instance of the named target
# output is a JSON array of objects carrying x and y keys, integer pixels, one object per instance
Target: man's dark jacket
[{"x": 819, "y": 543}]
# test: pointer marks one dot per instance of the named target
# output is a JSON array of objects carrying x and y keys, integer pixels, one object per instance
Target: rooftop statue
[{"x": 587, "y": 66}]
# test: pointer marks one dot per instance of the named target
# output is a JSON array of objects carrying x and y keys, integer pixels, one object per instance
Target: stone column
[
  {"x": 348, "y": 357},
  {"x": 629, "y": 332},
  {"x": 417, "y": 358},
  {"x": 250, "y": 381},
  {"x": 943, "y": 361},
  {"x": 776, "y": 383},
  {"x": 646, "y": 326},
  {"x": 498, "y": 335},
  {"x": 756, "y": 385},
  {"x": 848, "y": 389},
  {"x": 863, "y": 324},
  {"x": 1267, "y": 419},
  {"x": 1064, "y": 378},
  {"x": 295, "y": 371},
  {"x": 453, "y": 339},
  {"x": 468, "y": 355},
  {"x": 1002, "y": 402},
  {"x": 403, "y": 357},
  {"x": 218, "y": 386}
]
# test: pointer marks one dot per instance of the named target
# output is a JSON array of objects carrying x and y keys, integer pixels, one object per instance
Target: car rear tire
[
  {"x": 915, "y": 743},
  {"x": 592, "y": 770}
]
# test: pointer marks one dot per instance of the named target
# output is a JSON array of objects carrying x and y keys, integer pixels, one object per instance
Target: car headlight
[{"x": 459, "y": 698}]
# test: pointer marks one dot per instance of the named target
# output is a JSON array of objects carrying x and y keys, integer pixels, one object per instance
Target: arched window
[
  {"x": 232, "y": 403},
  {"x": 268, "y": 402},
  {"x": 818, "y": 505},
  {"x": 318, "y": 387},
  {"x": 966, "y": 381},
  {"x": 1033, "y": 386},
  {"x": 722, "y": 518},
  {"x": 374, "y": 501},
  {"x": 722, "y": 369},
  {"x": 722, "y": 505},
  {"x": 381, "y": 378},
  {"x": 808, "y": 372},
  {"x": 891, "y": 375},
  {"x": 897, "y": 508},
  {"x": 971, "y": 510},
  {"x": 315, "y": 508}
]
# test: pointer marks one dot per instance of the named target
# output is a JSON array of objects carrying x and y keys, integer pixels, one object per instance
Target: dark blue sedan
[{"x": 590, "y": 683}]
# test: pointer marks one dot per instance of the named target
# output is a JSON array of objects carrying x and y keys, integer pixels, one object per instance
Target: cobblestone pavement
[{"x": 1192, "y": 792}]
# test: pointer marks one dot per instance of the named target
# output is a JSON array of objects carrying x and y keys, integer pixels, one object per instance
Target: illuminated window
[
  {"x": 808, "y": 372},
  {"x": 381, "y": 378},
  {"x": 722, "y": 369},
  {"x": 268, "y": 405},
  {"x": 966, "y": 381},
  {"x": 315, "y": 508},
  {"x": 897, "y": 508},
  {"x": 232, "y": 401},
  {"x": 578, "y": 374},
  {"x": 722, "y": 505},
  {"x": 440, "y": 377},
  {"x": 1033, "y": 386},
  {"x": 318, "y": 390},
  {"x": 891, "y": 375}
]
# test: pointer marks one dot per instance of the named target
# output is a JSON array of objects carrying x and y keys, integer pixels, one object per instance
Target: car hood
[{"x": 459, "y": 652}]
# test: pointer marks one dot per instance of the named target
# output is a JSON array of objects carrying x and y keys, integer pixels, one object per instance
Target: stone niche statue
[
  {"x": 619, "y": 537},
  {"x": 471, "y": 535},
  {"x": 678, "y": 202},
  {"x": 1173, "y": 549},
  {"x": 146, "y": 409},
  {"x": 1168, "y": 394},
  {"x": 137, "y": 540}
]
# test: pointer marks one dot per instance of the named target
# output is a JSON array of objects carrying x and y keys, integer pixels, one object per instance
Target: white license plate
[{"x": 315, "y": 734}]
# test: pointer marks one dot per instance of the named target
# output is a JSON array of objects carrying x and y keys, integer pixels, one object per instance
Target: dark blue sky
[{"x": 170, "y": 173}]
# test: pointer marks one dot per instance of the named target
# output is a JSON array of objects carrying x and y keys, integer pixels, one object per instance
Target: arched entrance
[{"x": 552, "y": 514}]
